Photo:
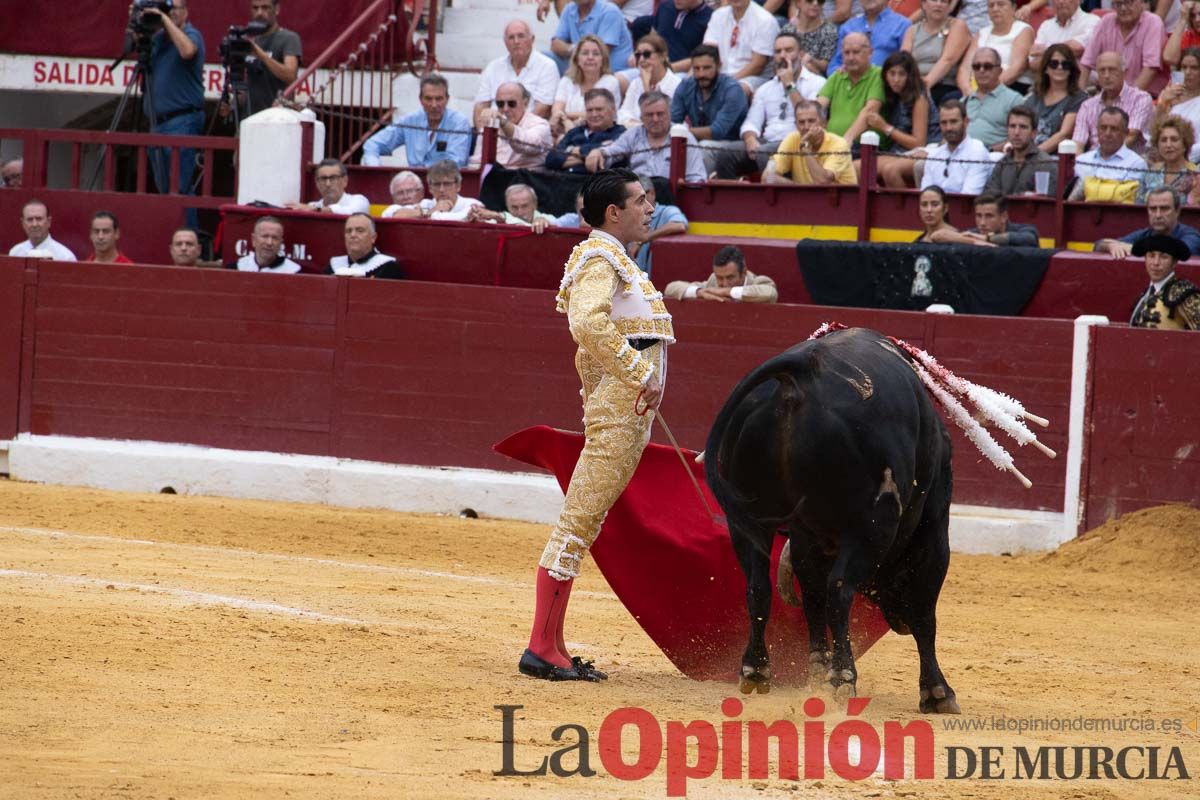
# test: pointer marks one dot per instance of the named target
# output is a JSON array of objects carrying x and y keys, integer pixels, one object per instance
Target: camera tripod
[{"x": 138, "y": 81}]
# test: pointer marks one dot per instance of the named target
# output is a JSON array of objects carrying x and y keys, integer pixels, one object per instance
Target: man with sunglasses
[
  {"x": 1070, "y": 25},
  {"x": 525, "y": 138},
  {"x": 958, "y": 163},
  {"x": 989, "y": 104},
  {"x": 535, "y": 71},
  {"x": 770, "y": 117}
]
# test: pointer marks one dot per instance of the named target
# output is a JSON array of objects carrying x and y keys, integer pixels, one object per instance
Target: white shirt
[
  {"x": 1079, "y": 28},
  {"x": 248, "y": 263},
  {"x": 540, "y": 77},
  {"x": 637, "y": 8},
  {"x": 394, "y": 207},
  {"x": 630, "y": 112},
  {"x": 462, "y": 206},
  {"x": 757, "y": 30},
  {"x": 1123, "y": 165},
  {"x": 349, "y": 204},
  {"x": 772, "y": 113},
  {"x": 943, "y": 167},
  {"x": 48, "y": 244},
  {"x": 1004, "y": 44},
  {"x": 568, "y": 92}
]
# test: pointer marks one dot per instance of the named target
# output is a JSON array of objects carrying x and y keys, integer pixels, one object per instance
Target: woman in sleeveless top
[
  {"x": 1183, "y": 99},
  {"x": 908, "y": 120},
  {"x": 1009, "y": 37},
  {"x": 937, "y": 42},
  {"x": 589, "y": 70}
]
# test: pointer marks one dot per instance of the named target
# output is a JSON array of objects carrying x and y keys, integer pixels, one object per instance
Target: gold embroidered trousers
[{"x": 615, "y": 437}]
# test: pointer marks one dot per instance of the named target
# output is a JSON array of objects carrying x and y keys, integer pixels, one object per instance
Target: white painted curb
[{"x": 189, "y": 469}]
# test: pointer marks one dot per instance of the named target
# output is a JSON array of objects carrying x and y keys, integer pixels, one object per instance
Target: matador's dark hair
[{"x": 604, "y": 189}]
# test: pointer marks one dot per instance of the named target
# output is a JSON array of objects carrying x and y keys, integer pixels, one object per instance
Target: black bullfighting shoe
[
  {"x": 586, "y": 667},
  {"x": 535, "y": 666}
]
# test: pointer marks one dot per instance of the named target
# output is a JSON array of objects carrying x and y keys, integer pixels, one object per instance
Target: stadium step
[{"x": 473, "y": 32}]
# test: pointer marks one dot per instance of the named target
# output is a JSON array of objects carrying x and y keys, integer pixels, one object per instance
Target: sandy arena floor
[{"x": 161, "y": 646}]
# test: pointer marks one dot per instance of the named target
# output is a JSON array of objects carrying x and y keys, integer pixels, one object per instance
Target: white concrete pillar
[
  {"x": 270, "y": 164},
  {"x": 1081, "y": 385}
]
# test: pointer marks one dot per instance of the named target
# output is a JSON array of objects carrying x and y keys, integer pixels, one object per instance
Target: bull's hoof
[
  {"x": 843, "y": 682},
  {"x": 755, "y": 680},
  {"x": 939, "y": 700},
  {"x": 818, "y": 665}
]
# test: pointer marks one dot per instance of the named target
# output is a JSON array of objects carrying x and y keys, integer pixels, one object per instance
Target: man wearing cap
[{"x": 1169, "y": 302}]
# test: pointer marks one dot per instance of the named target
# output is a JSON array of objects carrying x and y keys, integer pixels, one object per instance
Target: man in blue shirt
[
  {"x": 884, "y": 27},
  {"x": 571, "y": 151},
  {"x": 174, "y": 97},
  {"x": 712, "y": 105},
  {"x": 681, "y": 23},
  {"x": 428, "y": 136},
  {"x": 1162, "y": 211},
  {"x": 666, "y": 220},
  {"x": 598, "y": 17}
]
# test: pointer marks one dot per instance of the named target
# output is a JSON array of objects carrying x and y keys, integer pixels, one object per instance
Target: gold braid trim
[{"x": 593, "y": 248}]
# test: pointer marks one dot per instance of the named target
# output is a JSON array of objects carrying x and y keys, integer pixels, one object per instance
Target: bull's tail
[{"x": 789, "y": 369}]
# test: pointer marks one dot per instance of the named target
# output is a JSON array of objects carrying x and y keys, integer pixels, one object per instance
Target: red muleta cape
[{"x": 674, "y": 568}]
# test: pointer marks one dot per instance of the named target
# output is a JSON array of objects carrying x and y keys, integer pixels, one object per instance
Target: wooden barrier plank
[
  {"x": 1145, "y": 445},
  {"x": 12, "y": 298}
]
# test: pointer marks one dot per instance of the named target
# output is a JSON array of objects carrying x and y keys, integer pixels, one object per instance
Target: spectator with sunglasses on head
[
  {"x": 959, "y": 163},
  {"x": 653, "y": 74},
  {"x": 818, "y": 36}
]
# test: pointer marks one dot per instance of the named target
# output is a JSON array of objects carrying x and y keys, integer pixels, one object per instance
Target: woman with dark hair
[
  {"x": 1183, "y": 99},
  {"x": 935, "y": 214},
  {"x": 907, "y": 121},
  {"x": 1055, "y": 97},
  {"x": 937, "y": 41}
]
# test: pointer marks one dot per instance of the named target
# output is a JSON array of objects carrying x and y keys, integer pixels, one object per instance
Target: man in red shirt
[{"x": 105, "y": 234}]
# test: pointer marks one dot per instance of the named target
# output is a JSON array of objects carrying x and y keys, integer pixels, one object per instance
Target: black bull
[{"x": 836, "y": 441}]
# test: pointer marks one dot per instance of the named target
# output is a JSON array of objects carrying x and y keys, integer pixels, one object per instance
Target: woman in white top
[
  {"x": 1009, "y": 37},
  {"x": 589, "y": 70},
  {"x": 654, "y": 73}
]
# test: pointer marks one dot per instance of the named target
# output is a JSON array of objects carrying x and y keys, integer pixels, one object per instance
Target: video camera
[
  {"x": 235, "y": 48},
  {"x": 146, "y": 25}
]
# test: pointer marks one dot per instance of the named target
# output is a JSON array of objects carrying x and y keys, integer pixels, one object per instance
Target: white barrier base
[{"x": 189, "y": 469}]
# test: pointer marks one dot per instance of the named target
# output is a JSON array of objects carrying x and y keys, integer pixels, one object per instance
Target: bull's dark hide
[
  {"x": 555, "y": 190},
  {"x": 974, "y": 280}
]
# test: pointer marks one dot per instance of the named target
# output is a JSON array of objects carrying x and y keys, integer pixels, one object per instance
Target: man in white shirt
[
  {"x": 266, "y": 241},
  {"x": 35, "y": 221},
  {"x": 730, "y": 281},
  {"x": 444, "y": 182},
  {"x": 772, "y": 110},
  {"x": 1070, "y": 25},
  {"x": 524, "y": 137},
  {"x": 958, "y": 163},
  {"x": 744, "y": 32},
  {"x": 1112, "y": 159},
  {"x": 535, "y": 71},
  {"x": 332, "y": 178}
]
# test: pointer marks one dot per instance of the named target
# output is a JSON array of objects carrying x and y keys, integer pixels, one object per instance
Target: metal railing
[
  {"x": 349, "y": 86},
  {"x": 112, "y": 149}
]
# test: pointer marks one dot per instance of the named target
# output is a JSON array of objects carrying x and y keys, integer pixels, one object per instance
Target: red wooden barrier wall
[
  {"x": 433, "y": 374},
  {"x": 1144, "y": 447},
  {"x": 12, "y": 290}
]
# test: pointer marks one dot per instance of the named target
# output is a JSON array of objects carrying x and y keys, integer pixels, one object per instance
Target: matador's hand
[{"x": 652, "y": 394}]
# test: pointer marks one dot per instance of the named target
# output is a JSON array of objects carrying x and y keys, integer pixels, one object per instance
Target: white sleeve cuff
[
  {"x": 736, "y": 293},
  {"x": 690, "y": 292}
]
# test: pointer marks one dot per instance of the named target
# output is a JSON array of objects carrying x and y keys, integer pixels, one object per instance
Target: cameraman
[
  {"x": 276, "y": 59},
  {"x": 174, "y": 96}
]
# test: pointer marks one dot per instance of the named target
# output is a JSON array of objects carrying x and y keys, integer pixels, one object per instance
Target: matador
[{"x": 622, "y": 329}]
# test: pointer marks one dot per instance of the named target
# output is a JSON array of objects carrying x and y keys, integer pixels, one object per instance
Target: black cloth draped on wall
[
  {"x": 973, "y": 280},
  {"x": 555, "y": 190}
]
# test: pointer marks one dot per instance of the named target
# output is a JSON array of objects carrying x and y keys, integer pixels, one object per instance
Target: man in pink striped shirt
[
  {"x": 1114, "y": 91},
  {"x": 1138, "y": 35}
]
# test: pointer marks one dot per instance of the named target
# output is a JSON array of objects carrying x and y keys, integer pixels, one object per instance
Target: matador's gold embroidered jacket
[{"x": 609, "y": 300}]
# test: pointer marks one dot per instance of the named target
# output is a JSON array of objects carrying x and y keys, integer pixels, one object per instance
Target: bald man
[{"x": 853, "y": 91}]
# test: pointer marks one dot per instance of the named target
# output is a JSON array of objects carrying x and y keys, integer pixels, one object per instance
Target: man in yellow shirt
[{"x": 810, "y": 154}]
